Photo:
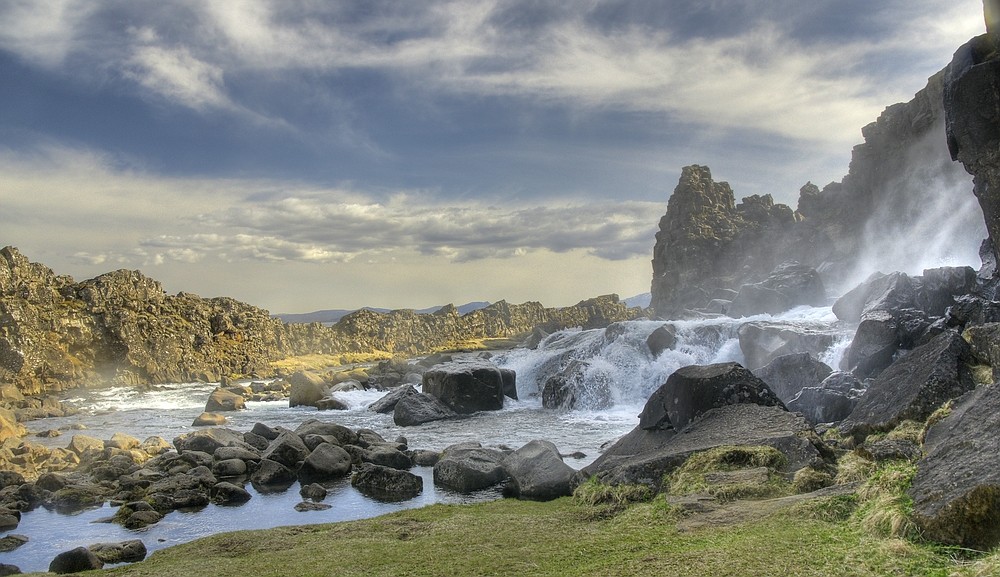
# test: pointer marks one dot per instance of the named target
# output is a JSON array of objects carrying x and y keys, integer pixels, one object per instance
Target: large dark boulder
[
  {"x": 875, "y": 343},
  {"x": 662, "y": 339},
  {"x": 208, "y": 440},
  {"x": 538, "y": 472},
  {"x": 789, "y": 374},
  {"x": 985, "y": 343},
  {"x": 340, "y": 433},
  {"x": 387, "y": 403},
  {"x": 572, "y": 389},
  {"x": 914, "y": 386},
  {"x": 956, "y": 492},
  {"x": 418, "y": 408},
  {"x": 693, "y": 390},
  {"x": 386, "y": 484},
  {"x": 830, "y": 402},
  {"x": 272, "y": 476},
  {"x": 646, "y": 456},
  {"x": 288, "y": 449},
  {"x": 466, "y": 386},
  {"x": 940, "y": 286},
  {"x": 469, "y": 468},
  {"x": 327, "y": 461},
  {"x": 881, "y": 292},
  {"x": 224, "y": 400},
  {"x": 762, "y": 342},
  {"x": 74, "y": 561}
]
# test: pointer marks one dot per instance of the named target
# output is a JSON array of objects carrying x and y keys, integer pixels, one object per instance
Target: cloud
[{"x": 724, "y": 65}]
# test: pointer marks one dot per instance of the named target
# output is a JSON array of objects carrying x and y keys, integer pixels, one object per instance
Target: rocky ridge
[{"x": 122, "y": 328}]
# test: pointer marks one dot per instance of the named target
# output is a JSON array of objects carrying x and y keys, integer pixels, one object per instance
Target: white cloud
[
  {"x": 180, "y": 77},
  {"x": 43, "y": 31}
]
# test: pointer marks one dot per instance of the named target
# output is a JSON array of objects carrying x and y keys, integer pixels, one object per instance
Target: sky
[{"x": 315, "y": 154}]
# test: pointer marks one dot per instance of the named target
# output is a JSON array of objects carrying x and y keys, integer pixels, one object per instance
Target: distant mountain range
[{"x": 331, "y": 316}]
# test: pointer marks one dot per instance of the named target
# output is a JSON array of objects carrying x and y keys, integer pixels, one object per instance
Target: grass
[
  {"x": 556, "y": 538},
  {"x": 320, "y": 363},
  {"x": 690, "y": 478}
]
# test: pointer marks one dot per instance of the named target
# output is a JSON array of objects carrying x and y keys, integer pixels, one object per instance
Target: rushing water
[{"x": 617, "y": 359}]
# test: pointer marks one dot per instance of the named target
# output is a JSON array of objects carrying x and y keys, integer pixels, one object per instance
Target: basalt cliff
[
  {"x": 122, "y": 328},
  {"x": 901, "y": 184}
]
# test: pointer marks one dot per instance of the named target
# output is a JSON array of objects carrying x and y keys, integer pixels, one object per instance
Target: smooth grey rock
[
  {"x": 327, "y": 461},
  {"x": 466, "y": 386},
  {"x": 469, "y": 469},
  {"x": 762, "y": 342},
  {"x": 386, "y": 484},
  {"x": 387, "y": 403},
  {"x": 538, "y": 472},
  {"x": 419, "y": 408},
  {"x": 787, "y": 375},
  {"x": 74, "y": 561},
  {"x": 131, "y": 551}
]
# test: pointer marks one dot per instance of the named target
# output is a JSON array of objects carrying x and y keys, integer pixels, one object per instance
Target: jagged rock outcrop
[
  {"x": 121, "y": 327},
  {"x": 707, "y": 242}
]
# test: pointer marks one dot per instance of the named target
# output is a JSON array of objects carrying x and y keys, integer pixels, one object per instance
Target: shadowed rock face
[{"x": 707, "y": 241}]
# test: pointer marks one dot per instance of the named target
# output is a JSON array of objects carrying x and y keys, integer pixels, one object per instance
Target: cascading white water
[{"x": 620, "y": 359}]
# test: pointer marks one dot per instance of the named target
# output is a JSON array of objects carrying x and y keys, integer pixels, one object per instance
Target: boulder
[
  {"x": 209, "y": 420},
  {"x": 136, "y": 515},
  {"x": 313, "y": 492},
  {"x": 208, "y": 440},
  {"x": 386, "y": 484},
  {"x": 662, "y": 339},
  {"x": 695, "y": 389},
  {"x": 6, "y": 570},
  {"x": 913, "y": 387},
  {"x": 288, "y": 449},
  {"x": 12, "y": 542},
  {"x": 272, "y": 476},
  {"x": 880, "y": 292},
  {"x": 831, "y": 402},
  {"x": 985, "y": 343},
  {"x": 224, "y": 400},
  {"x": 577, "y": 386},
  {"x": 469, "y": 469},
  {"x": 386, "y": 456},
  {"x": 249, "y": 454},
  {"x": 74, "y": 561},
  {"x": 327, "y": 461},
  {"x": 131, "y": 551},
  {"x": 789, "y": 374},
  {"x": 537, "y": 472},
  {"x": 875, "y": 343},
  {"x": 311, "y": 506},
  {"x": 80, "y": 444},
  {"x": 789, "y": 285},
  {"x": 387, "y": 403},
  {"x": 466, "y": 386},
  {"x": 956, "y": 491},
  {"x": 331, "y": 404},
  {"x": 509, "y": 378},
  {"x": 307, "y": 388},
  {"x": 940, "y": 286},
  {"x": 340, "y": 433},
  {"x": 646, "y": 456},
  {"x": 226, "y": 493},
  {"x": 762, "y": 342},
  {"x": 419, "y": 408},
  {"x": 122, "y": 441},
  {"x": 9, "y": 518},
  {"x": 229, "y": 468}
]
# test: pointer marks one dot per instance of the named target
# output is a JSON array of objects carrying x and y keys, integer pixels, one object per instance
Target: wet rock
[
  {"x": 985, "y": 343},
  {"x": 787, "y": 375},
  {"x": 80, "y": 444},
  {"x": 249, "y": 455},
  {"x": 74, "y": 561},
  {"x": 131, "y": 551},
  {"x": 419, "y": 408},
  {"x": 229, "y": 468},
  {"x": 875, "y": 343},
  {"x": 538, "y": 472},
  {"x": 466, "y": 386},
  {"x": 209, "y": 420},
  {"x": 831, "y": 402},
  {"x": 136, "y": 515},
  {"x": 940, "y": 286},
  {"x": 578, "y": 386},
  {"x": 880, "y": 292},
  {"x": 272, "y": 476},
  {"x": 331, "y": 404},
  {"x": 11, "y": 542},
  {"x": 956, "y": 491},
  {"x": 662, "y": 339},
  {"x": 310, "y": 506},
  {"x": 10, "y": 479},
  {"x": 468, "y": 469},
  {"x": 327, "y": 461},
  {"x": 425, "y": 458},
  {"x": 387, "y": 457},
  {"x": 342, "y": 434},
  {"x": 509, "y": 379},
  {"x": 890, "y": 450},
  {"x": 269, "y": 433},
  {"x": 76, "y": 497},
  {"x": 913, "y": 387},
  {"x": 287, "y": 449},
  {"x": 154, "y": 446},
  {"x": 693, "y": 390},
  {"x": 224, "y": 400},
  {"x": 226, "y": 493},
  {"x": 387, "y": 403},
  {"x": 386, "y": 484},
  {"x": 307, "y": 389},
  {"x": 9, "y": 519},
  {"x": 762, "y": 342},
  {"x": 208, "y": 440},
  {"x": 313, "y": 492}
]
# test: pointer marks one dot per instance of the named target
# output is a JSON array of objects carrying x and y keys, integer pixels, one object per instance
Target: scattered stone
[
  {"x": 209, "y": 420},
  {"x": 49, "y": 434},
  {"x": 272, "y": 476},
  {"x": 310, "y": 506},
  {"x": 420, "y": 408},
  {"x": 331, "y": 404},
  {"x": 387, "y": 403},
  {"x": 538, "y": 472},
  {"x": 662, "y": 339},
  {"x": 787, "y": 375},
  {"x": 307, "y": 389},
  {"x": 6, "y": 570},
  {"x": 131, "y": 551},
  {"x": 11, "y": 542},
  {"x": 386, "y": 484},
  {"x": 224, "y": 400},
  {"x": 313, "y": 492},
  {"x": 74, "y": 561},
  {"x": 327, "y": 461},
  {"x": 287, "y": 449},
  {"x": 226, "y": 493},
  {"x": 468, "y": 469}
]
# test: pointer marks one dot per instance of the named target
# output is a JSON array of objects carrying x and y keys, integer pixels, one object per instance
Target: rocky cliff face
[
  {"x": 901, "y": 185},
  {"x": 121, "y": 327}
]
